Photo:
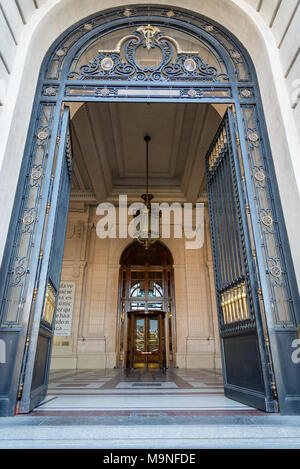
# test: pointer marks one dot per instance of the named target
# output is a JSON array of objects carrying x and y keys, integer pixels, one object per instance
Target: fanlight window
[
  {"x": 137, "y": 288},
  {"x": 154, "y": 284},
  {"x": 148, "y": 53},
  {"x": 155, "y": 289}
]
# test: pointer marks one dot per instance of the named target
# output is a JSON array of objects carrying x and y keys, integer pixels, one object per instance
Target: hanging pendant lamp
[{"x": 149, "y": 224}]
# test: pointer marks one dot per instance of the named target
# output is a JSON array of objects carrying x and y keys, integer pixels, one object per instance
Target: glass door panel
[
  {"x": 153, "y": 337},
  {"x": 153, "y": 346}
]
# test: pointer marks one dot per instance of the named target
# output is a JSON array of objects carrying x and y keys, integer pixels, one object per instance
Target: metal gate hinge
[
  {"x": 267, "y": 341},
  {"x": 274, "y": 390},
  {"x": 20, "y": 391}
]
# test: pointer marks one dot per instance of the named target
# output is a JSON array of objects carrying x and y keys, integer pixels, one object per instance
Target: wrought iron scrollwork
[
  {"x": 174, "y": 64},
  {"x": 19, "y": 270}
]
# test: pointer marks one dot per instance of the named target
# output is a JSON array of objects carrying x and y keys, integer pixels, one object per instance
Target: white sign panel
[{"x": 64, "y": 312}]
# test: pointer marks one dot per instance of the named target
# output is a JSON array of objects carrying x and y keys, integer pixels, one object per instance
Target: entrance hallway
[{"x": 143, "y": 392}]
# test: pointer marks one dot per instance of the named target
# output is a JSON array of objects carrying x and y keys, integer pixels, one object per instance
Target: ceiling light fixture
[{"x": 149, "y": 222}]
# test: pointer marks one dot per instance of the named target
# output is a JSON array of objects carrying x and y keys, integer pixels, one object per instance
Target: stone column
[
  {"x": 111, "y": 311},
  {"x": 200, "y": 343},
  {"x": 181, "y": 314},
  {"x": 213, "y": 306},
  {"x": 91, "y": 341}
]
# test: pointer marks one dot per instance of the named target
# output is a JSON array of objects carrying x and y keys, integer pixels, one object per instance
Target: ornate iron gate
[
  {"x": 36, "y": 360},
  {"x": 247, "y": 367}
]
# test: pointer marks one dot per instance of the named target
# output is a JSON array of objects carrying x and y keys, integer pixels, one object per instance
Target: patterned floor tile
[{"x": 117, "y": 392}]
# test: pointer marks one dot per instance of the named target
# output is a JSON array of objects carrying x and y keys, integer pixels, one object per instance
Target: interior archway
[{"x": 146, "y": 316}]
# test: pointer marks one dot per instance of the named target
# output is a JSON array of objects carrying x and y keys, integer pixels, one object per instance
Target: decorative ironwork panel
[
  {"x": 234, "y": 304},
  {"x": 36, "y": 363},
  {"x": 49, "y": 305},
  {"x": 16, "y": 281},
  {"x": 94, "y": 27},
  {"x": 185, "y": 93},
  {"x": 149, "y": 54},
  {"x": 276, "y": 271}
]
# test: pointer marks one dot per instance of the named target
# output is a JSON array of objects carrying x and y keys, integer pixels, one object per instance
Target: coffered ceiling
[{"x": 110, "y": 156}]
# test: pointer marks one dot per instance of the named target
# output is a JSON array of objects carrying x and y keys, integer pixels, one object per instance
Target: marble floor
[{"x": 174, "y": 392}]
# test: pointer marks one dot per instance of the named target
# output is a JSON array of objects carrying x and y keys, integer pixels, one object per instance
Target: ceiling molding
[
  {"x": 140, "y": 183},
  {"x": 97, "y": 126},
  {"x": 178, "y": 126},
  {"x": 85, "y": 132},
  {"x": 192, "y": 153},
  {"x": 118, "y": 137},
  {"x": 198, "y": 170},
  {"x": 78, "y": 176},
  {"x": 83, "y": 196},
  {"x": 79, "y": 160}
]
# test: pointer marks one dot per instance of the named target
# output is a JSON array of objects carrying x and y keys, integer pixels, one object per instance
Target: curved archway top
[
  {"x": 157, "y": 254},
  {"x": 147, "y": 25},
  {"x": 147, "y": 53}
]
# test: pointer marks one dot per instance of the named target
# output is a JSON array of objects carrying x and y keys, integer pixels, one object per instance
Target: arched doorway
[
  {"x": 146, "y": 318},
  {"x": 83, "y": 66}
]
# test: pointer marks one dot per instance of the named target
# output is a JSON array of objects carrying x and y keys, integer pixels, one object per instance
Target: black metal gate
[
  {"x": 37, "y": 356},
  {"x": 246, "y": 361}
]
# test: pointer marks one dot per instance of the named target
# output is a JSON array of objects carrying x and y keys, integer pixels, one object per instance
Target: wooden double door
[{"x": 146, "y": 340}]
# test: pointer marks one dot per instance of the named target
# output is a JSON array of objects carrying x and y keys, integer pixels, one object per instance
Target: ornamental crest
[{"x": 149, "y": 55}]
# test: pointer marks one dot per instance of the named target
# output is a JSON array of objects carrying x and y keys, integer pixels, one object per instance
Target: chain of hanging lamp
[{"x": 145, "y": 237}]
